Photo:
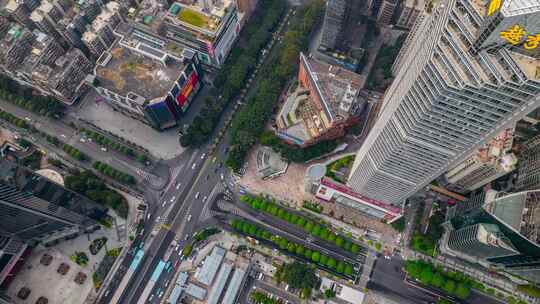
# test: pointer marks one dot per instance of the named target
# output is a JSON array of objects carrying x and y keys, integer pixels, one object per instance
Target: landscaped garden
[
  {"x": 339, "y": 169},
  {"x": 193, "y": 17}
]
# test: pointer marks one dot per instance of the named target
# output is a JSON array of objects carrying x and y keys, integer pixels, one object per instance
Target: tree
[
  {"x": 298, "y": 275},
  {"x": 300, "y": 250},
  {"x": 308, "y": 227},
  {"x": 462, "y": 291},
  {"x": 315, "y": 257},
  {"x": 438, "y": 280},
  {"x": 449, "y": 286},
  {"x": 413, "y": 268},
  {"x": 331, "y": 263},
  {"x": 329, "y": 293},
  {"x": 426, "y": 275},
  {"x": 340, "y": 267},
  {"x": 316, "y": 230},
  {"x": 291, "y": 248},
  {"x": 324, "y": 233},
  {"x": 331, "y": 237},
  {"x": 323, "y": 260},
  {"x": 339, "y": 241},
  {"x": 348, "y": 270},
  {"x": 283, "y": 243}
]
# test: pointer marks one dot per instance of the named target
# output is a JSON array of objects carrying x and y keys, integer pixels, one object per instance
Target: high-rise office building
[
  {"x": 386, "y": 11},
  {"x": 529, "y": 165},
  {"x": 481, "y": 240},
  {"x": 409, "y": 12},
  {"x": 334, "y": 18},
  {"x": 510, "y": 238},
  {"x": 485, "y": 165},
  {"x": 34, "y": 209},
  {"x": 470, "y": 71}
]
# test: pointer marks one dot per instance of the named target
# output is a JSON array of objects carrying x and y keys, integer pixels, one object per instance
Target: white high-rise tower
[{"x": 469, "y": 70}]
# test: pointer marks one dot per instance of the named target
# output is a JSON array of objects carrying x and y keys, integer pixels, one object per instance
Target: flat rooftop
[
  {"x": 521, "y": 211},
  {"x": 124, "y": 71},
  {"x": 196, "y": 15},
  {"x": 337, "y": 86}
]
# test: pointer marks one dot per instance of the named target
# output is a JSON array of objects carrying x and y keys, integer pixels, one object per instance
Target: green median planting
[
  {"x": 74, "y": 152},
  {"x": 113, "y": 173},
  {"x": 312, "y": 227},
  {"x": 297, "y": 250}
]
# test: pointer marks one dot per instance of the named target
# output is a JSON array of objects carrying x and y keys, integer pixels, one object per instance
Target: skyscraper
[
  {"x": 333, "y": 23},
  {"x": 471, "y": 70},
  {"x": 501, "y": 230},
  {"x": 34, "y": 209}
]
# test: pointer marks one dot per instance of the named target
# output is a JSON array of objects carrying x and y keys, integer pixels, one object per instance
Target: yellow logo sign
[
  {"x": 494, "y": 6},
  {"x": 514, "y": 35}
]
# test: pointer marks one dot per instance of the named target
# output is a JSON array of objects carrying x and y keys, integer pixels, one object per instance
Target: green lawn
[{"x": 194, "y": 18}]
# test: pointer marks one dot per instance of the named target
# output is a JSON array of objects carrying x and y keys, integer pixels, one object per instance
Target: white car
[
  {"x": 148, "y": 216},
  {"x": 160, "y": 294},
  {"x": 103, "y": 149},
  {"x": 158, "y": 219},
  {"x": 173, "y": 198},
  {"x": 203, "y": 155},
  {"x": 189, "y": 218},
  {"x": 204, "y": 198},
  {"x": 193, "y": 167},
  {"x": 178, "y": 186},
  {"x": 164, "y": 203},
  {"x": 222, "y": 176},
  {"x": 197, "y": 195}
]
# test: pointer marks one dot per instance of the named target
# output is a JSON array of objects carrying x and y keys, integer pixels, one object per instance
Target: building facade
[
  {"x": 147, "y": 84},
  {"x": 212, "y": 40},
  {"x": 513, "y": 241},
  {"x": 529, "y": 165},
  {"x": 490, "y": 162},
  {"x": 386, "y": 11},
  {"x": 461, "y": 81},
  {"x": 481, "y": 241},
  {"x": 334, "y": 17},
  {"x": 325, "y": 102},
  {"x": 35, "y": 210},
  {"x": 409, "y": 12}
]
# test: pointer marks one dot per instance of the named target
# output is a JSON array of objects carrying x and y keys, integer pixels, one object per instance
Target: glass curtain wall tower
[{"x": 469, "y": 70}]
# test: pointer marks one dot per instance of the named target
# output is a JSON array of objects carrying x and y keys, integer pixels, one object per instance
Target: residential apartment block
[
  {"x": 332, "y": 27},
  {"x": 386, "y": 11},
  {"x": 487, "y": 164},
  {"x": 325, "y": 102},
  {"x": 147, "y": 84},
  {"x": 462, "y": 80},
  {"x": 529, "y": 165},
  {"x": 409, "y": 12}
]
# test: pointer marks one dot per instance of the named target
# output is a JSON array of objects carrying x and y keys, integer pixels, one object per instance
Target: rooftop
[
  {"x": 337, "y": 87},
  {"x": 195, "y": 291},
  {"x": 234, "y": 286},
  {"x": 520, "y": 211},
  {"x": 200, "y": 15},
  {"x": 206, "y": 273},
  {"x": 519, "y": 7},
  {"x": 124, "y": 71}
]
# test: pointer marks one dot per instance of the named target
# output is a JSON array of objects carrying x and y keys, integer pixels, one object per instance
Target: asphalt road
[{"x": 388, "y": 278}]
